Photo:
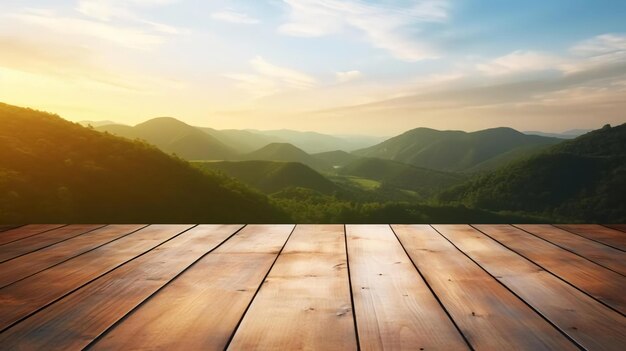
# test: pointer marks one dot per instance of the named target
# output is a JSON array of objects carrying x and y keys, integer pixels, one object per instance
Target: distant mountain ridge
[
  {"x": 286, "y": 152},
  {"x": 313, "y": 142},
  {"x": 169, "y": 134},
  {"x": 337, "y": 158},
  {"x": 568, "y": 134},
  {"x": 174, "y": 136},
  {"x": 96, "y": 123},
  {"x": 454, "y": 150}
]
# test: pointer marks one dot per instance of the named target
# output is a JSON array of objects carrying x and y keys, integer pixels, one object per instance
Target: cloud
[
  {"x": 383, "y": 26},
  {"x": 343, "y": 77},
  {"x": 596, "y": 52},
  {"x": 125, "y": 36},
  {"x": 600, "y": 45},
  {"x": 593, "y": 54},
  {"x": 108, "y": 10},
  {"x": 114, "y": 21},
  {"x": 587, "y": 82},
  {"x": 519, "y": 62},
  {"x": 270, "y": 79},
  {"x": 65, "y": 63},
  {"x": 232, "y": 16}
]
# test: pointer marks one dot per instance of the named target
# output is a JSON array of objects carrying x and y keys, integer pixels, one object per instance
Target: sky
[{"x": 335, "y": 66}]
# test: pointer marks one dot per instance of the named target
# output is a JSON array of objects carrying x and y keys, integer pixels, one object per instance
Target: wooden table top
[{"x": 313, "y": 287}]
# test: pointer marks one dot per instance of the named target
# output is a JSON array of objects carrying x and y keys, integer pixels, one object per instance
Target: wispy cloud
[
  {"x": 383, "y": 26},
  {"x": 106, "y": 10},
  {"x": 344, "y": 77},
  {"x": 586, "y": 81},
  {"x": 131, "y": 37},
  {"x": 596, "y": 52},
  {"x": 68, "y": 64},
  {"x": 114, "y": 21},
  {"x": 519, "y": 62},
  {"x": 232, "y": 16},
  {"x": 270, "y": 79}
]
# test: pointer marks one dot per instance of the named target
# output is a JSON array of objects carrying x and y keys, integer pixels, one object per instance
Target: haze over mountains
[
  {"x": 421, "y": 147},
  {"x": 52, "y": 169},
  {"x": 171, "y": 134},
  {"x": 174, "y": 136}
]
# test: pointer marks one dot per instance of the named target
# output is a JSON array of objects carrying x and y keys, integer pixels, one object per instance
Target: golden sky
[{"x": 338, "y": 66}]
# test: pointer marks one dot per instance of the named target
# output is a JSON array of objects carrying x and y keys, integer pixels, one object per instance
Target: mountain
[
  {"x": 583, "y": 179},
  {"x": 568, "y": 134},
  {"x": 454, "y": 150},
  {"x": 174, "y": 136},
  {"x": 286, "y": 153},
  {"x": 55, "y": 171},
  {"x": 337, "y": 158},
  {"x": 95, "y": 123},
  {"x": 270, "y": 176},
  {"x": 243, "y": 141},
  {"x": 421, "y": 180},
  {"x": 313, "y": 142}
]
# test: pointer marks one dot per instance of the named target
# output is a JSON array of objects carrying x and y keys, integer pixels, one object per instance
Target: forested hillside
[
  {"x": 424, "y": 182},
  {"x": 583, "y": 180},
  {"x": 55, "y": 171},
  {"x": 271, "y": 176}
]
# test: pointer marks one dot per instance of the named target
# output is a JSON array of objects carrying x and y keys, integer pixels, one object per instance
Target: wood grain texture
[
  {"x": 612, "y": 237},
  {"x": 75, "y": 321},
  {"x": 34, "y": 262},
  {"x": 22, "y": 298},
  {"x": 597, "y": 281},
  {"x": 304, "y": 304},
  {"x": 394, "y": 308},
  {"x": 489, "y": 316},
  {"x": 5, "y": 227},
  {"x": 620, "y": 227},
  {"x": 201, "y": 308},
  {"x": 588, "y": 322},
  {"x": 601, "y": 254},
  {"x": 10, "y": 235},
  {"x": 36, "y": 242}
]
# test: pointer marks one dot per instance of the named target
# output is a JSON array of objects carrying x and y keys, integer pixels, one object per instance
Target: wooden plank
[
  {"x": 592, "y": 325},
  {"x": 489, "y": 315},
  {"x": 603, "y": 255},
  {"x": 73, "y": 322},
  {"x": 25, "y": 297},
  {"x": 5, "y": 227},
  {"x": 394, "y": 308},
  {"x": 25, "y": 231},
  {"x": 620, "y": 227},
  {"x": 36, "y": 242},
  {"x": 612, "y": 237},
  {"x": 34, "y": 262},
  {"x": 306, "y": 296},
  {"x": 597, "y": 281},
  {"x": 200, "y": 309}
]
